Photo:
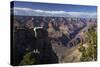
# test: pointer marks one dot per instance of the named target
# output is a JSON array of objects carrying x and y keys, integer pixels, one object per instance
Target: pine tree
[
  {"x": 90, "y": 53},
  {"x": 28, "y": 59}
]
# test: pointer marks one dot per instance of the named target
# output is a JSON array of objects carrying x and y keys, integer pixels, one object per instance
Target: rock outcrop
[{"x": 24, "y": 42}]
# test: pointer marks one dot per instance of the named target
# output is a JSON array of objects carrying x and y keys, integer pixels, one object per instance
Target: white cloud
[
  {"x": 51, "y": 12},
  {"x": 38, "y": 12},
  {"x": 83, "y": 14}
]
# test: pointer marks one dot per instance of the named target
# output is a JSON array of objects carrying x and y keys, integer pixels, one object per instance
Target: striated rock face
[
  {"x": 30, "y": 23},
  {"x": 16, "y": 24},
  {"x": 25, "y": 41},
  {"x": 64, "y": 29}
]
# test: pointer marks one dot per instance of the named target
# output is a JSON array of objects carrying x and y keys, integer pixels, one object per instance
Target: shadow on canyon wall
[{"x": 24, "y": 41}]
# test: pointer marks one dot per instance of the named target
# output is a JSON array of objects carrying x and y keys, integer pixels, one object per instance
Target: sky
[
  {"x": 48, "y": 6},
  {"x": 53, "y": 8}
]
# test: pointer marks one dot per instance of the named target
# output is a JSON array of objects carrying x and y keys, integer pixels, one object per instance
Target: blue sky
[{"x": 55, "y": 7}]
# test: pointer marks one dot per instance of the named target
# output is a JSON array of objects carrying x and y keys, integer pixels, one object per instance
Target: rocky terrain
[{"x": 57, "y": 42}]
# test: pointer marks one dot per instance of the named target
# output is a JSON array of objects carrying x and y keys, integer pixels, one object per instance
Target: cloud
[
  {"x": 50, "y": 12},
  {"x": 83, "y": 14},
  {"x": 38, "y": 12}
]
